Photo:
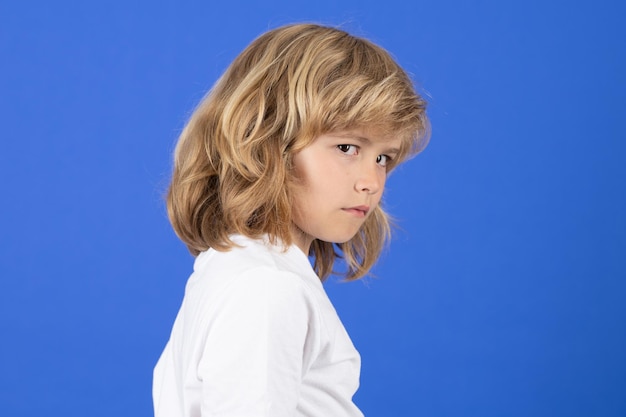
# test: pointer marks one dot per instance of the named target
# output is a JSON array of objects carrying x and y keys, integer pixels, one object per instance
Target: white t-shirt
[{"x": 256, "y": 335}]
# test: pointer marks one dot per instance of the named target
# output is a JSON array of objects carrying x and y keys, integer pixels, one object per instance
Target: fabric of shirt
[{"x": 256, "y": 335}]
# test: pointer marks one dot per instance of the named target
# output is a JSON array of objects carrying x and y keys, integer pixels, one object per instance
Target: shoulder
[
  {"x": 253, "y": 287},
  {"x": 253, "y": 272},
  {"x": 254, "y": 258}
]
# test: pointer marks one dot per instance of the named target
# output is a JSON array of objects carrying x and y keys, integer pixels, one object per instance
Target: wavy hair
[{"x": 233, "y": 161}]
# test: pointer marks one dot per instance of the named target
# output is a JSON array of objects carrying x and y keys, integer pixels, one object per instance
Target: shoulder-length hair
[{"x": 233, "y": 160}]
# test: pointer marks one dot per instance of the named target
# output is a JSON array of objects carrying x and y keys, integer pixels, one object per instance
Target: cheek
[
  {"x": 383, "y": 182},
  {"x": 315, "y": 176}
]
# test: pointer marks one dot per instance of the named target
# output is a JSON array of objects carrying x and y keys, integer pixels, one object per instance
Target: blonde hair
[{"x": 233, "y": 161}]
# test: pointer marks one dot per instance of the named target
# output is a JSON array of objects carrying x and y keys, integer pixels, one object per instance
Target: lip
[{"x": 358, "y": 211}]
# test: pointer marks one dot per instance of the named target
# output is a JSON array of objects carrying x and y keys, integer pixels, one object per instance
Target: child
[{"x": 286, "y": 157}]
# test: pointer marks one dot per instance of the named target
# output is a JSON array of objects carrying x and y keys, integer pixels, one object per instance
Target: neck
[{"x": 301, "y": 239}]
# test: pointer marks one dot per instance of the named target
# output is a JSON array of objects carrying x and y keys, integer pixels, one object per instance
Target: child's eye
[
  {"x": 348, "y": 149},
  {"x": 382, "y": 160}
]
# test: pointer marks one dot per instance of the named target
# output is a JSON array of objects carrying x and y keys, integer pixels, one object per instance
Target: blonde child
[{"x": 285, "y": 159}]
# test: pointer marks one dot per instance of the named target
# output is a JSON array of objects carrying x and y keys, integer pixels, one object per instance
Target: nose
[{"x": 371, "y": 179}]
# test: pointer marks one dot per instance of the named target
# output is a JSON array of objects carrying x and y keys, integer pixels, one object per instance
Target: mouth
[{"x": 358, "y": 211}]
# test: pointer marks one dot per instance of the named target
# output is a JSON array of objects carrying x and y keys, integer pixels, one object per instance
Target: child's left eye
[
  {"x": 382, "y": 160},
  {"x": 348, "y": 149}
]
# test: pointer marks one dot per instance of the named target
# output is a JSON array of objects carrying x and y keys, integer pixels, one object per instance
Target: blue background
[{"x": 504, "y": 292}]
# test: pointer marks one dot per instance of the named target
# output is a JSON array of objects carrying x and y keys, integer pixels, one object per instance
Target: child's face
[{"x": 340, "y": 180}]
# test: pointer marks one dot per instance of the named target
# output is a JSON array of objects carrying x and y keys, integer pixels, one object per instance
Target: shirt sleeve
[{"x": 254, "y": 354}]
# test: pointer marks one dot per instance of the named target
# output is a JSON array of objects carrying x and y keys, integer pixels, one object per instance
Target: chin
[{"x": 340, "y": 239}]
